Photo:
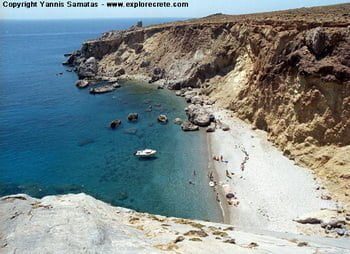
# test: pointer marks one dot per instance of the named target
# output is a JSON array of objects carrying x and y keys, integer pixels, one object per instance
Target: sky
[{"x": 197, "y": 8}]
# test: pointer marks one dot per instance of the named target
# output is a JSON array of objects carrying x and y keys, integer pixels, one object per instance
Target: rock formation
[
  {"x": 162, "y": 119},
  {"x": 104, "y": 88},
  {"x": 133, "y": 116},
  {"x": 286, "y": 72},
  {"x": 198, "y": 115},
  {"x": 188, "y": 126},
  {"x": 82, "y": 83},
  {"x": 115, "y": 123},
  {"x": 78, "y": 223}
]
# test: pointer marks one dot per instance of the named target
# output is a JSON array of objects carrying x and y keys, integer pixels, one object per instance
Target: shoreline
[
  {"x": 272, "y": 190},
  {"x": 225, "y": 212},
  {"x": 276, "y": 207},
  {"x": 249, "y": 215}
]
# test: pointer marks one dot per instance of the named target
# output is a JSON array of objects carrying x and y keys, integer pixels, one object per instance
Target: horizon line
[{"x": 180, "y": 17}]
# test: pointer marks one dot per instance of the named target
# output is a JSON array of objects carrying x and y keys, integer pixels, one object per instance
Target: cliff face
[
  {"x": 81, "y": 224},
  {"x": 287, "y": 73}
]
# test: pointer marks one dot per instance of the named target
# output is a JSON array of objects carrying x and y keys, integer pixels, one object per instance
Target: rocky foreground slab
[{"x": 78, "y": 223}]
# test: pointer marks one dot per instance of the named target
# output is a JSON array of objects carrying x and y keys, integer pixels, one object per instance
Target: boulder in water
[
  {"x": 82, "y": 83},
  {"x": 104, "y": 89},
  {"x": 133, "y": 116},
  {"x": 115, "y": 123},
  {"x": 162, "y": 119},
  {"x": 188, "y": 126}
]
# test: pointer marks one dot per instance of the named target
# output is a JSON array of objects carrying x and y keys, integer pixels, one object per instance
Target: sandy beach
[{"x": 271, "y": 190}]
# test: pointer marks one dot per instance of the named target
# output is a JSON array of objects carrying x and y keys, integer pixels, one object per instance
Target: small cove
[{"x": 55, "y": 139}]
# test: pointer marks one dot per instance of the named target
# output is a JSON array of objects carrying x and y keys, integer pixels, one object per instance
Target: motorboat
[{"x": 145, "y": 153}]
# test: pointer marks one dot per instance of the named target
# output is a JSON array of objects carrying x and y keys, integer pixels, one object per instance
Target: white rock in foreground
[{"x": 78, "y": 223}]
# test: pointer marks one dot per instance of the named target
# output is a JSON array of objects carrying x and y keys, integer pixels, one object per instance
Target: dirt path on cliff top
[{"x": 272, "y": 190}]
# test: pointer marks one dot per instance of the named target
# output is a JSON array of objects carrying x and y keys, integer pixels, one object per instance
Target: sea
[{"x": 55, "y": 138}]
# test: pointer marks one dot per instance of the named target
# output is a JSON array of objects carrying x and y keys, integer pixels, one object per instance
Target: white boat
[{"x": 145, "y": 153}]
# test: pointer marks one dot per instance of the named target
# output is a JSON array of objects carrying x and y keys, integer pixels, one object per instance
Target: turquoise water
[{"x": 54, "y": 138}]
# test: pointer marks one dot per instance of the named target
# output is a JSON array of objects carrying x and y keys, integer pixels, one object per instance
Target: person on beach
[
  {"x": 221, "y": 158},
  {"x": 228, "y": 174}
]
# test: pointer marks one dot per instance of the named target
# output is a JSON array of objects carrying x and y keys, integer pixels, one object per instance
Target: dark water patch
[{"x": 85, "y": 142}]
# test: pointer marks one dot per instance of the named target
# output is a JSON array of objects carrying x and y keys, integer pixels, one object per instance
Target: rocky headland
[{"x": 286, "y": 73}]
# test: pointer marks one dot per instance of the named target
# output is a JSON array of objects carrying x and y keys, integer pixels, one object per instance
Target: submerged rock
[
  {"x": 131, "y": 131},
  {"x": 149, "y": 108},
  {"x": 86, "y": 141},
  {"x": 122, "y": 196},
  {"x": 178, "y": 121},
  {"x": 133, "y": 116}
]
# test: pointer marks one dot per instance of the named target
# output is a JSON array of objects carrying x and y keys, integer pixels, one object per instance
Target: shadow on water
[{"x": 147, "y": 158}]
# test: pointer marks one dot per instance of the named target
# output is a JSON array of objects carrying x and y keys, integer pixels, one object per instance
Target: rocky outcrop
[
  {"x": 198, "y": 115},
  {"x": 71, "y": 57},
  {"x": 287, "y": 73},
  {"x": 79, "y": 224},
  {"x": 88, "y": 68},
  {"x": 330, "y": 220}
]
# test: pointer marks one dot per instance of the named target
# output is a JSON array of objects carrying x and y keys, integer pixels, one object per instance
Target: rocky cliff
[
  {"x": 81, "y": 224},
  {"x": 287, "y": 73}
]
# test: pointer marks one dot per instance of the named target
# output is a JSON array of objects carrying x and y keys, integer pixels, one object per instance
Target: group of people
[{"x": 217, "y": 158}]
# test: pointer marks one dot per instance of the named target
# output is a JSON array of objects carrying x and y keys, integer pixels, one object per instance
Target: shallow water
[{"x": 55, "y": 139}]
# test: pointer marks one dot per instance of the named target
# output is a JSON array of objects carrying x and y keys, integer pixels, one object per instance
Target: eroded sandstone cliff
[{"x": 287, "y": 73}]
